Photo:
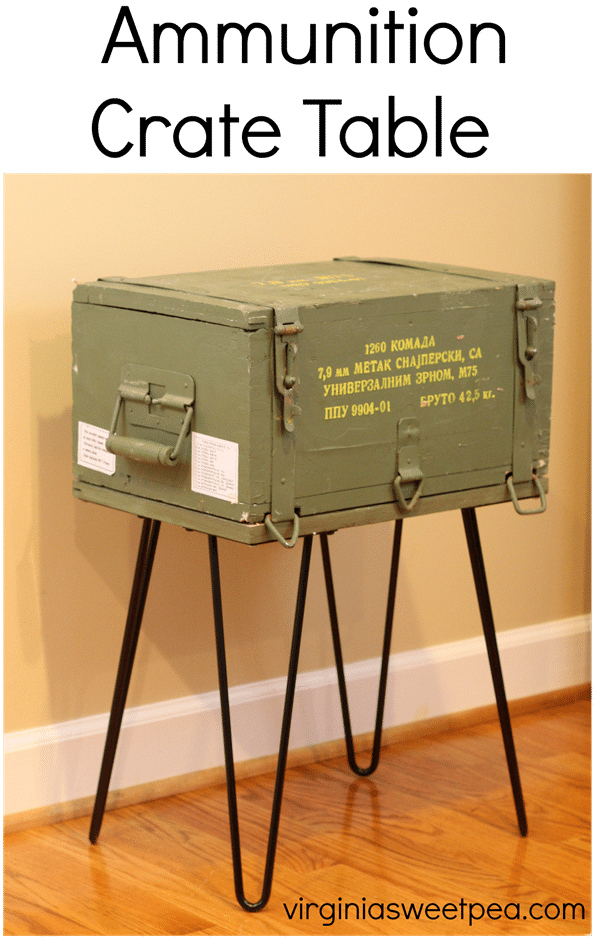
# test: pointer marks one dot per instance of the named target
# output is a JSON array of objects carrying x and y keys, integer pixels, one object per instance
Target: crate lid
[{"x": 245, "y": 297}]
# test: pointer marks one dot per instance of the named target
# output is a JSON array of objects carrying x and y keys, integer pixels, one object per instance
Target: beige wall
[{"x": 69, "y": 564}]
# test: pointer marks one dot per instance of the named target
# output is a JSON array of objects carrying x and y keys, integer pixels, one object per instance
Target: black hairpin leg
[
  {"x": 336, "y": 640},
  {"x": 481, "y": 584},
  {"x": 143, "y": 570},
  {"x": 284, "y": 733}
]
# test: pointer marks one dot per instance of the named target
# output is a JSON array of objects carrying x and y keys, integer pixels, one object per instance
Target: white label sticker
[
  {"x": 91, "y": 449},
  {"x": 215, "y": 467}
]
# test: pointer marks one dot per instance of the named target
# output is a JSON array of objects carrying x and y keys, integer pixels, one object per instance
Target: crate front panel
[{"x": 449, "y": 367}]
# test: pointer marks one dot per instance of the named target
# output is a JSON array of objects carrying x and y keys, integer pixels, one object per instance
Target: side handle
[{"x": 142, "y": 450}]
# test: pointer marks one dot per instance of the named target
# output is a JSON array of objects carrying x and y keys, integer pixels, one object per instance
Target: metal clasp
[
  {"x": 286, "y": 327},
  {"x": 409, "y": 470},
  {"x": 527, "y": 325}
]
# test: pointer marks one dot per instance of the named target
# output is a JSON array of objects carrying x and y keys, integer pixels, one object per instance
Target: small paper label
[
  {"x": 91, "y": 449},
  {"x": 215, "y": 467}
]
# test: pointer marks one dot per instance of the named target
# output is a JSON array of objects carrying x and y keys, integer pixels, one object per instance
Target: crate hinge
[{"x": 287, "y": 327}]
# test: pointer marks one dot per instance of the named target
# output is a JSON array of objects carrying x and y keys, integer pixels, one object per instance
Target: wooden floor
[{"x": 434, "y": 826}]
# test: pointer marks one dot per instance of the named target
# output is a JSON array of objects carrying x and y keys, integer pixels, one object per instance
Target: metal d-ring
[
  {"x": 539, "y": 490},
  {"x": 274, "y": 531},
  {"x": 407, "y": 506}
]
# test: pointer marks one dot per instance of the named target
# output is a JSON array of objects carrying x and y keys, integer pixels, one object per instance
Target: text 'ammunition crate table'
[{"x": 280, "y": 402}]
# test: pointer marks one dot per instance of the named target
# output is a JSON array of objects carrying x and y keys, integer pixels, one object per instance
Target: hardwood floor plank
[{"x": 434, "y": 826}]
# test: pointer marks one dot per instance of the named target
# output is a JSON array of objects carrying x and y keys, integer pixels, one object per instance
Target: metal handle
[
  {"x": 146, "y": 451},
  {"x": 274, "y": 531},
  {"x": 513, "y": 495}
]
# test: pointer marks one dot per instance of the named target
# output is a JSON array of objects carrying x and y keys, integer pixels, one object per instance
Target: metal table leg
[
  {"x": 284, "y": 734},
  {"x": 338, "y": 656},
  {"x": 481, "y": 584},
  {"x": 145, "y": 559}
]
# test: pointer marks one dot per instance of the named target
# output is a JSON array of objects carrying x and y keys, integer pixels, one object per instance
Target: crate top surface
[{"x": 240, "y": 297}]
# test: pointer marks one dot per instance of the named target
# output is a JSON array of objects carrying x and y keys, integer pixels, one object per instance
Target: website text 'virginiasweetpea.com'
[{"x": 468, "y": 912}]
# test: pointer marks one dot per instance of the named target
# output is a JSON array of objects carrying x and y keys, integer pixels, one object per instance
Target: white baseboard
[{"x": 59, "y": 763}]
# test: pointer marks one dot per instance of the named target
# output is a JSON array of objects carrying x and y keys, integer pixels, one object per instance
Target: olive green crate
[{"x": 269, "y": 402}]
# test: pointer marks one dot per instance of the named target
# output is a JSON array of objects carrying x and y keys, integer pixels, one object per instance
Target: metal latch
[
  {"x": 409, "y": 470},
  {"x": 527, "y": 325},
  {"x": 286, "y": 328}
]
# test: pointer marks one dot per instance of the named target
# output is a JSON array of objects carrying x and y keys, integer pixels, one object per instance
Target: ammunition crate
[{"x": 269, "y": 402}]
